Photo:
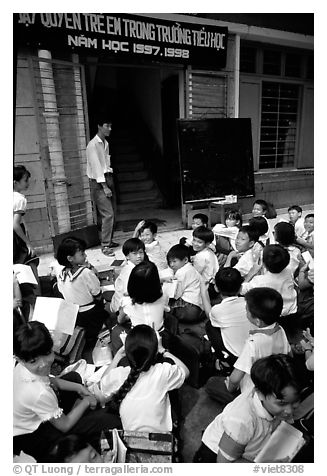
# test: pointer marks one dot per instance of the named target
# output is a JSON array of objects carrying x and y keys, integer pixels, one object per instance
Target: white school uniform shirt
[
  {"x": 299, "y": 227},
  {"x": 206, "y": 263},
  {"x": 261, "y": 342},
  {"x": 79, "y": 287},
  {"x": 295, "y": 258},
  {"x": 156, "y": 254},
  {"x": 97, "y": 159},
  {"x": 282, "y": 282},
  {"x": 151, "y": 313},
  {"x": 146, "y": 406},
  {"x": 241, "y": 429},
  {"x": 189, "y": 285},
  {"x": 248, "y": 259},
  {"x": 230, "y": 316},
  {"x": 34, "y": 401},
  {"x": 121, "y": 286}
]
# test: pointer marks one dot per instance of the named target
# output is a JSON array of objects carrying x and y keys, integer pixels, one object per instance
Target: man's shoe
[
  {"x": 114, "y": 245},
  {"x": 106, "y": 250}
]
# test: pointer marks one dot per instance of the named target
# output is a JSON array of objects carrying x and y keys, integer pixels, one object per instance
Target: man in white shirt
[{"x": 100, "y": 173}]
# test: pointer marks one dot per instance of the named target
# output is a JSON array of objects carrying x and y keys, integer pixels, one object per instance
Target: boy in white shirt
[
  {"x": 277, "y": 276},
  {"x": 295, "y": 215},
  {"x": 204, "y": 261},
  {"x": 239, "y": 432},
  {"x": 228, "y": 327},
  {"x": 147, "y": 232},
  {"x": 263, "y": 308},
  {"x": 134, "y": 252},
  {"x": 187, "y": 303},
  {"x": 248, "y": 250}
]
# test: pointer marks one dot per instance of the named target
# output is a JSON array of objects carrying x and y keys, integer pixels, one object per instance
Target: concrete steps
[{"x": 136, "y": 190}]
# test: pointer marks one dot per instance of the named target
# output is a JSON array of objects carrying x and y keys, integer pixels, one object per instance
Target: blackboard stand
[
  {"x": 221, "y": 208},
  {"x": 209, "y": 207}
]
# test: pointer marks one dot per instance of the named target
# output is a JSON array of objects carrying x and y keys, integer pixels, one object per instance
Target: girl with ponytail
[{"x": 140, "y": 391}]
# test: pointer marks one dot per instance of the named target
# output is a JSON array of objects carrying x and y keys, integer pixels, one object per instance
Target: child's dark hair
[
  {"x": 19, "y": 172},
  {"x": 252, "y": 232},
  {"x": 263, "y": 204},
  {"x": 265, "y": 304},
  {"x": 68, "y": 247},
  {"x": 234, "y": 215},
  {"x": 297, "y": 208},
  {"x": 228, "y": 281},
  {"x": 144, "y": 283},
  {"x": 275, "y": 258},
  {"x": 177, "y": 252},
  {"x": 67, "y": 447},
  {"x": 285, "y": 233},
  {"x": 309, "y": 215},
  {"x": 149, "y": 225},
  {"x": 272, "y": 374},
  {"x": 202, "y": 217},
  {"x": 203, "y": 233},
  {"x": 141, "y": 347},
  {"x": 32, "y": 340},
  {"x": 132, "y": 245},
  {"x": 260, "y": 224}
]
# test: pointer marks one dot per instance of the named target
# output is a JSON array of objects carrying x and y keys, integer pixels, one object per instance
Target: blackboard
[{"x": 216, "y": 158}]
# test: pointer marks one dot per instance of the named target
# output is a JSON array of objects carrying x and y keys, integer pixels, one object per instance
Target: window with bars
[{"x": 279, "y": 119}]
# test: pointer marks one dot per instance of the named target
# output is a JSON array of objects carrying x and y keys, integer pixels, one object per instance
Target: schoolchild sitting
[
  {"x": 186, "y": 304},
  {"x": 199, "y": 219},
  {"x": 306, "y": 240},
  {"x": 261, "y": 208},
  {"x": 285, "y": 236},
  {"x": 261, "y": 225},
  {"x": 225, "y": 235},
  {"x": 228, "y": 327},
  {"x": 145, "y": 303},
  {"x": 238, "y": 433},
  {"x": 277, "y": 276},
  {"x": 204, "y": 261},
  {"x": 140, "y": 391},
  {"x": 248, "y": 250},
  {"x": 295, "y": 218},
  {"x": 147, "y": 232},
  {"x": 263, "y": 307},
  {"x": 78, "y": 284},
  {"x": 134, "y": 252},
  {"x": 45, "y": 407}
]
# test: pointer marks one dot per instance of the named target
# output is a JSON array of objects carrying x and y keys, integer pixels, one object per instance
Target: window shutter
[{"x": 206, "y": 94}]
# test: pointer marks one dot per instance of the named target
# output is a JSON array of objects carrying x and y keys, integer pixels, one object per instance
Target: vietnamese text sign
[{"x": 124, "y": 35}]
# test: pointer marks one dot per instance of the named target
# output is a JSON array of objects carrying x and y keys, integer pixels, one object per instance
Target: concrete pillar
[{"x": 51, "y": 117}]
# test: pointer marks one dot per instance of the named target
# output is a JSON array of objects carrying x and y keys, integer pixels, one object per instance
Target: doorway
[{"x": 143, "y": 102}]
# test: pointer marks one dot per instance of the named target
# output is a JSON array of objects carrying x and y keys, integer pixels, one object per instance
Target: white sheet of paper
[
  {"x": 108, "y": 287},
  {"x": 24, "y": 274},
  {"x": 169, "y": 289},
  {"x": 284, "y": 442},
  {"x": 56, "y": 313}
]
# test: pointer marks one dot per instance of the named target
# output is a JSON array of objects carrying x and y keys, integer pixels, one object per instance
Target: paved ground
[
  {"x": 168, "y": 234},
  {"x": 197, "y": 408}
]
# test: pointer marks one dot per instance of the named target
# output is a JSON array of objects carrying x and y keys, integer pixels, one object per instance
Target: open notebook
[
  {"x": 285, "y": 442},
  {"x": 56, "y": 313}
]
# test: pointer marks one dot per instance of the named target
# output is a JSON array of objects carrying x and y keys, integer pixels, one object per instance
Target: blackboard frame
[{"x": 207, "y": 146}]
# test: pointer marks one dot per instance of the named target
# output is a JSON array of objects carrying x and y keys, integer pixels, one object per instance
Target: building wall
[{"x": 27, "y": 153}]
